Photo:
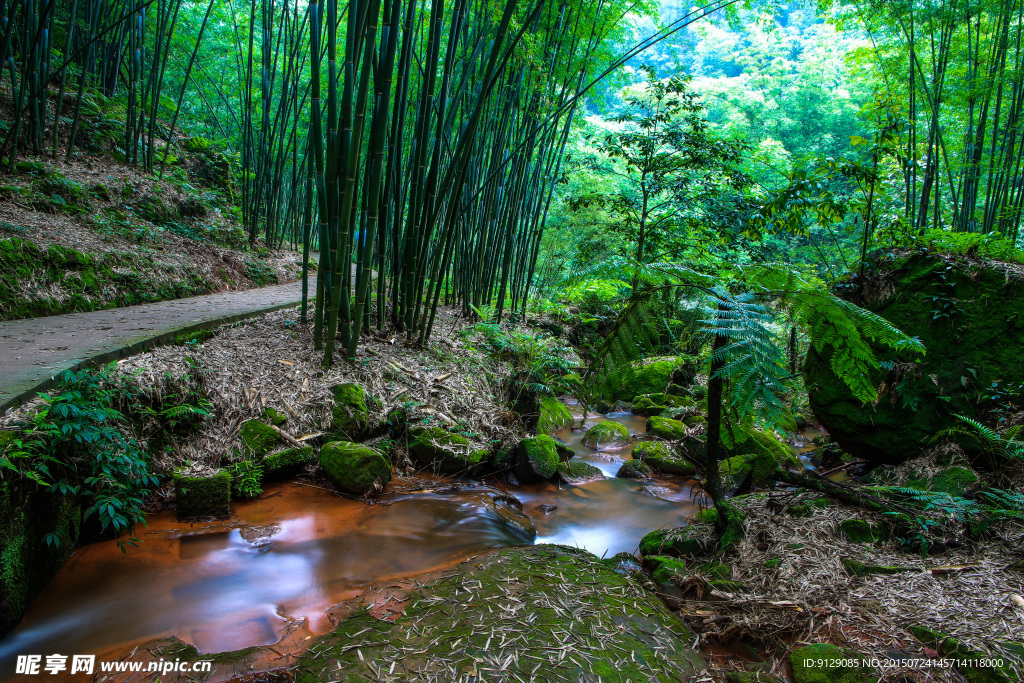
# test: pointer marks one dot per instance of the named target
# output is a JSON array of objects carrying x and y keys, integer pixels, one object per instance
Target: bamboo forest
[{"x": 495, "y": 341}]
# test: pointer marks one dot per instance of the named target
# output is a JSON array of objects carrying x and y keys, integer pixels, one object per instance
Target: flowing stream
[{"x": 299, "y": 549}]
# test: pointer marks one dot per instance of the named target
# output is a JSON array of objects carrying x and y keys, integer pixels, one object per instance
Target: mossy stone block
[
  {"x": 287, "y": 463},
  {"x": 197, "y": 497},
  {"x": 663, "y": 459},
  {"x": 355, "y": 468}
]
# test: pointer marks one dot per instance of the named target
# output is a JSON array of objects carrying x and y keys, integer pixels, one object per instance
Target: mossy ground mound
[
  {"x": 563, "y": 611},
  {"x": 969, "y": 317}
]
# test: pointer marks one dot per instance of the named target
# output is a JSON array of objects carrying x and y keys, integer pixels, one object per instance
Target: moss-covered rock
[
  {"x": 349, "y": 415},
  {"x": 442, "y": 451},
  {"x": 952, "y": 480},
  {"x": 739, "y": 471},
  {"x": 257, "y": 437},
  {"x": 536, "y": 459},
  {"x": 622, "y": 633},
  {"x": 197, "y": 497},
  {"x": 575, "y": 471},
  {"x": 666, "y": 428},
  {"x": 967, "y": 314},
  {"x": 634, "y": 469},
  {"x": 565, "y": 453},
  {"x": 287, "y": 463},
  {"x": 765, "y": 443},
  {"x": 663, "y": 459},
  {"x": 679, "y": 542},
  {"x": 554, "y": 416},
  {"x": 656, "y": 404},
  {"x": 694, "y": 420},
  {"x": 607, "y": 435},
  {"x": 825, "y": 663},
  {"x": 354, "y": 468},
  {"x": 28, "y": 516}
]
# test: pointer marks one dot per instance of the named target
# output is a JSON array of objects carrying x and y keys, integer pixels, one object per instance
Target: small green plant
[
  {"x": 81, "y": 435},
  {"x": 246, "y": 478}
]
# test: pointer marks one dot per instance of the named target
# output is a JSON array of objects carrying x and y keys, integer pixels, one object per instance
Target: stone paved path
[{"x": 34, "y": 351}]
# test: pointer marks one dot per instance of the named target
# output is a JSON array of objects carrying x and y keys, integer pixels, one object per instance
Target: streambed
[{"x": 289, "y": 555}]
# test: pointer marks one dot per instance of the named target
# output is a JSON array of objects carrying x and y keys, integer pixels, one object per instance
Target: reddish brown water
[{"x": 289, "y": 555}]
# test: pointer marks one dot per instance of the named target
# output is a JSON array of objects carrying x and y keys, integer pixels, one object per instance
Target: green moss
[
  {"x": 860, "y": 531},
  {"x": 634, "y": 469},
  {"x": 666, "y": 428},
  {"x": 663, "y": 568},
  {"x": 349, "y": 415},
  {"x": 442, "y": 451},
  {"x": 197, "y": 337},
  {"x": 445, "y": 616},
  {"x": 574, "y": 471},
  {"x": 706, "y": 516},
  {"x": 536, "y": 459},
  {"x": 287, "y": 463},
  {"x": 677, "y": 542},
  {"x": 28, "y": 517},
  {"x": 949, "y": 647},
  {"x": 257, "y": 437},
  {"x": 355, "y": 468},
  {"x": 606, "y": 433},
  {"x": 727, "y": 586},
  {"x": 565, "y": 453},
  {"x": 974, "y": 343},
  {"x": 772, "y": 564},
  {"x": 822, "y": 663},
  {"x": 197, "y": 497},
  {"x": 554, "y": 416},
  {"x": 663, "y": 459},
  {"x": 857, "y": 568},
  {"x": 274, "y": 416},
  {"x": 952, "y": 480}
]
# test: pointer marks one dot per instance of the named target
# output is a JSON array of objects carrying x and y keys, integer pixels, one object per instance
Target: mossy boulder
[
  {"x": 666, "y": 428},
  {"x": 575, "y": 471},
  {"x": 663, "y": 459},
  {"x": 622, "y": 632},
  {"x": 634, "y": 469},
  {"x": 565, "y": 453},
  {"x": 536, "y": 459},
  {"x": 274, "y": 416},
  {"x": 349, "y": 415},
  {"x": 967, "y": 313},
  {"x": 607, "y": 435},
  {"x": 354, "y": 468},
  {"x": 679, "y": 542},
  {"x": 201, "y": 496},
  {"x": 825, "y": 663},
  {"x": 287, "y": 463},
  {"x": 554, "y": 416},
  {"x": 767, "y": 444},
  {"x": 442, "y": 451},
  {"x": 258, "y": 438},
  {"x": 656, "y": 404},
  {"x": 649, "y": 376},
  {"x": 28, "y": 516}
]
